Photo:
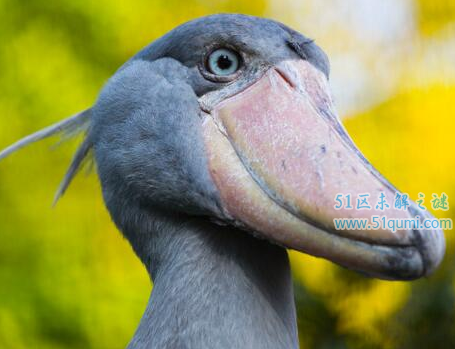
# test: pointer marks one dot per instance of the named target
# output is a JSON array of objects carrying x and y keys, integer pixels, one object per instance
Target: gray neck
[{"x": 214, "y": 287}]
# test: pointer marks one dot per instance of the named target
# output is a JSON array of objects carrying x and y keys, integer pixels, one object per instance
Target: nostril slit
[{"x": 285, "y": 77}]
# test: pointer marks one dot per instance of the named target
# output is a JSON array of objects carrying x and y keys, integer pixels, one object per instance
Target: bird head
[{"x": 230, "y": 117}]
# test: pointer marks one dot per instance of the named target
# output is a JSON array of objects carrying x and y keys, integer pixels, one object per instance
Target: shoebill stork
[{"x": 217, "y": 148}]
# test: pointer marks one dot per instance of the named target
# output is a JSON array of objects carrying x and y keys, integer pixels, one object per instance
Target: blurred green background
[{"x": 67, "y": 277}]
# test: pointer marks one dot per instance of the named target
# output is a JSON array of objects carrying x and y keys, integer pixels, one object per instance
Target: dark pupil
[{"x": 224, "y": 62}]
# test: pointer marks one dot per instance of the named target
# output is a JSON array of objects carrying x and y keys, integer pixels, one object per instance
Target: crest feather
[{"x": 67, "y": 128}]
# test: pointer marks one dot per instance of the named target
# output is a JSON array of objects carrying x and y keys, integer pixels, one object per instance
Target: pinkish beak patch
[{"x": 279, "y": 157}]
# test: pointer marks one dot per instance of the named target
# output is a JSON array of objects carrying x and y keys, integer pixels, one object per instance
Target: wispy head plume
[{"x": 66, "y": 128}]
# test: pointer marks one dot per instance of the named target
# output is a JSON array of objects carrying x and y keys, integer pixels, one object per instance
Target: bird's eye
[{"x": 223, "y": 62}]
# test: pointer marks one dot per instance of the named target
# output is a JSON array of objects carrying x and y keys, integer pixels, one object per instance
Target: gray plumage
[{"x": 214, "y": 286}]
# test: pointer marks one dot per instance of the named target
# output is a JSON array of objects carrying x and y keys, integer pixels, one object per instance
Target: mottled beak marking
[{"x": 279, "y": 156}]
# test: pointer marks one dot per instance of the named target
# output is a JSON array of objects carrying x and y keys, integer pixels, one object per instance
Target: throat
[{"x": 216, "y": 287}]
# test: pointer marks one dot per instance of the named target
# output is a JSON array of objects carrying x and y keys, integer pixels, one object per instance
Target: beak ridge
[{"x": 288, "y": 158}]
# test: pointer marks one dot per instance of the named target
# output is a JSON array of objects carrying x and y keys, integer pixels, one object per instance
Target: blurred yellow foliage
[
  {"x": 434, "y": 15},
  {"x": 69, "y": 280}
]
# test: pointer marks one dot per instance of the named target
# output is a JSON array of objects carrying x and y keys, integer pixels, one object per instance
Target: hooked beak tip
[{"x": 429, "y": 242}]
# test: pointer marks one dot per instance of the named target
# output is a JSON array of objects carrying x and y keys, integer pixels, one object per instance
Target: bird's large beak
[{"x": 279, "y": 157}]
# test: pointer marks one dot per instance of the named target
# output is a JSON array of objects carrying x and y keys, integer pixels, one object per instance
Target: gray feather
[
  {"x": 70, "y": 126},
  {"x": 67, "y": 128},
  {"x": 76, "y": 164}
]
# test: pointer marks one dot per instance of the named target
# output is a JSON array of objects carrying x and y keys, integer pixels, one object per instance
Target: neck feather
[{"x": 214, "y": 287}]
